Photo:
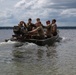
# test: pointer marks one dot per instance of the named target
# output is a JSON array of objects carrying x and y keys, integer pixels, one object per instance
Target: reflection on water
[
  {"x": 40, "y": 54},
  {"x": 33, "y": 53},
  {"x": 35, "y": 61}
]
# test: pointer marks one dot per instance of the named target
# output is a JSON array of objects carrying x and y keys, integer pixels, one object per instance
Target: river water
[{"x": 30, "y": 59}]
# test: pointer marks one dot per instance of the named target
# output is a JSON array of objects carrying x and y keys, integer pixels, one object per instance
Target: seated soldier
[
  {"x": 38, "y": 21},
  {"x": 38, "y": 30},
  {"x": 48, "y": 31},
  {"x": 54, "y": 27},
  {"x": 30, "y": 25}
]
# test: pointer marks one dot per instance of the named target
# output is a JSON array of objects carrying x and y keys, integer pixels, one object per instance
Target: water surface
[{"x": 30, "y": 59}]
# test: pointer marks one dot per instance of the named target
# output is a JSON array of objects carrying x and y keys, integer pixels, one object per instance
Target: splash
[
  {"x": 30, "y": 46},
  {"x": 9, "y": 42},
  {"x": 66, "y": 39}
]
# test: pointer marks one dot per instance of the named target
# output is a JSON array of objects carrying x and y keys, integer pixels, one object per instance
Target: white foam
[
  {"x": 31, "y": 46},
  {"x": 64, "y": 38},
  {"x": 9, "y": 42}
]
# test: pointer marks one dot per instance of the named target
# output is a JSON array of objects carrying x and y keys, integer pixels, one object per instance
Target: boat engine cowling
[{"x": 16, "y": 30}]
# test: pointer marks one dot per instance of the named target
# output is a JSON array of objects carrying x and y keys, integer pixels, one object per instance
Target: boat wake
[
  {"x": 65, "y": 39},
  {"x": 9, "y": 42},
  {"x": 29, "y": 46}
]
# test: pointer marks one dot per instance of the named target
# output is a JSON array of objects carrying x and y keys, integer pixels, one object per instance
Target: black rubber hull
[{"x": 48, "y": 41}]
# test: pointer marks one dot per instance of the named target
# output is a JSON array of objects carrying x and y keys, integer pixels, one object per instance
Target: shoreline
[{"x": 63, "y": 27}]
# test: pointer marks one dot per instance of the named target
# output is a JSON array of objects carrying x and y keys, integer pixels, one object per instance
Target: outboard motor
[{"x": 16, "y": 30}]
